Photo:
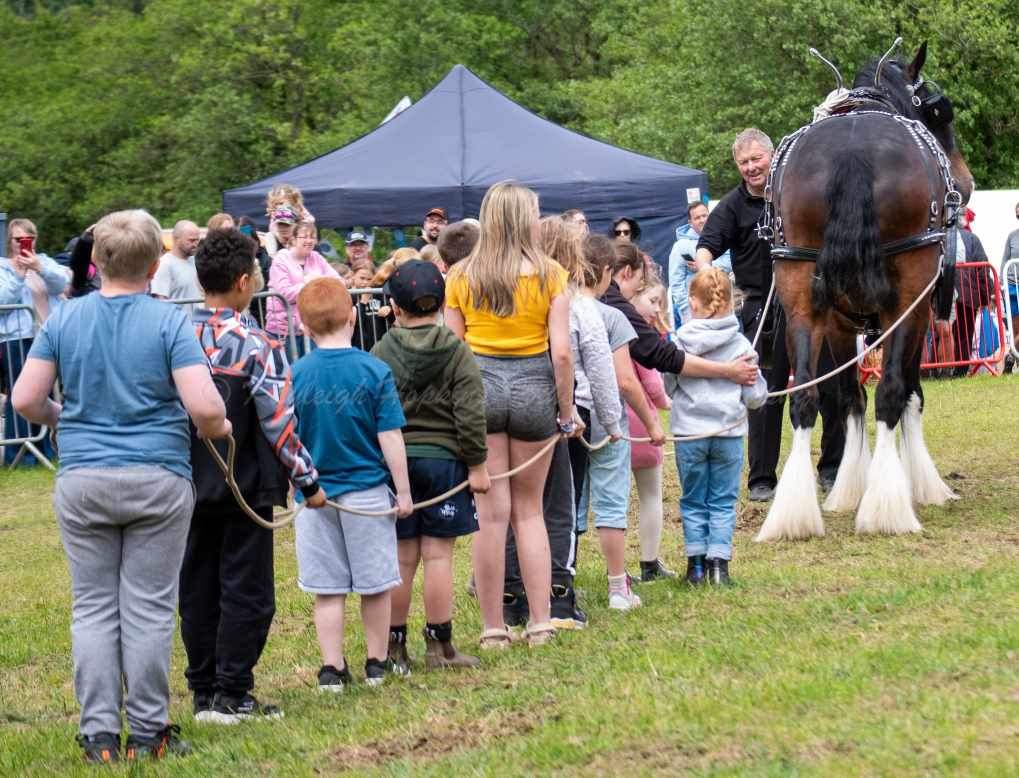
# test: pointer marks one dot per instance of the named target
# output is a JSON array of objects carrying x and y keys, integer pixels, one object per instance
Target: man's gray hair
[{"x": 752, "y": 135}]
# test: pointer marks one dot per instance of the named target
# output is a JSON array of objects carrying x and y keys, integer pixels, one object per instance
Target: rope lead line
[{"x": 287, "y": 518}]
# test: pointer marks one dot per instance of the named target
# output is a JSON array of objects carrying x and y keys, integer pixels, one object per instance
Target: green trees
[{"x": 163, "y": 104}]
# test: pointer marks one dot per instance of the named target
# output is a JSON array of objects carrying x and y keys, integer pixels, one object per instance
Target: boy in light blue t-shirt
[
  {"x": 349, "y": 417},
  {"x": 132, "y": 371}
]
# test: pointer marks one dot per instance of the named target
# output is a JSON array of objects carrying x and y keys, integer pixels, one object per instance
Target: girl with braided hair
[{"x": 709, "y": 468}]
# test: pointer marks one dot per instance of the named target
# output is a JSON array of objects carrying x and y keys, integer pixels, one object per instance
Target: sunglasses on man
[{"x": 622, "y": 232}]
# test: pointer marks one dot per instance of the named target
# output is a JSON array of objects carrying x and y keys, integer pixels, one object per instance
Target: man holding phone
[
  {"x": 26, "y": 278},
  {"x": 682, "y": 266}
]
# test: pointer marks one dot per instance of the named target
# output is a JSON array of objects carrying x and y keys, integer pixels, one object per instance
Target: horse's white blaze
[
  {"x": 927, "y": 486},
  {"x": 794, "y": 513},
  {"x": 886, "y": 507},
  {"x": 851, "y": 480}
]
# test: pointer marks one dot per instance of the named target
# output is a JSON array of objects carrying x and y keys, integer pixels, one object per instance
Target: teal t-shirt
[
  {"x": 115, "y": 357},
  {"x": 344, "y": 398}
]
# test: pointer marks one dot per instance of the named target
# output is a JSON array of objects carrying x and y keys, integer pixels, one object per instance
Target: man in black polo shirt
[{"x": 732, "y": 226}]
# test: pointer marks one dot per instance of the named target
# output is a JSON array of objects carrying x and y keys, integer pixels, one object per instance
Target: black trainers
[
  {"x": 761, "y": 493},
  {"x": 514, "y": 609},
  {"x": 201, "y": 705},
  {"x": 101, "y": 748},
  {"x": 332, "y": 680},
  {"x": 228, "y": 709},
  {"x": 374, "y": 672},
  {"x": 164, "y": 743},
  {"x": 718, "y": 572},
  {"x": 696, "y": 570},
  {"x": 655, "y": 571},
  {"x": 563, "y": 610}
]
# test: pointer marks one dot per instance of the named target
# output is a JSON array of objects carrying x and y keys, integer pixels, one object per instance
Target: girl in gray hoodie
[{"x": 710, "y": 468}]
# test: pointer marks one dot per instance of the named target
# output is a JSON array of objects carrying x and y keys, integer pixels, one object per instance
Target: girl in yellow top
[{"x": 508, "y": 300}]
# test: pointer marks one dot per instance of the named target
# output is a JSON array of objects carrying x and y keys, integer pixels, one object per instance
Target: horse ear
[{"x": 917, "y": 64}]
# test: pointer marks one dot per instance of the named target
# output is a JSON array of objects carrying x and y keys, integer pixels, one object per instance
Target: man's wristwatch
[{"x": 567, "y": 427}]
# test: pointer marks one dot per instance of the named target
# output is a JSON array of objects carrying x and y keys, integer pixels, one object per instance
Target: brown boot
[{"x": 441, "y": 654}]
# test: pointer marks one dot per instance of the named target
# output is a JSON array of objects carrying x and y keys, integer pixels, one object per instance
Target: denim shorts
[{"x": 520, "y": 396}]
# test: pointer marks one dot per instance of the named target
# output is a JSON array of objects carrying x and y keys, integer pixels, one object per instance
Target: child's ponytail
[{"x": 712, "y": 290}]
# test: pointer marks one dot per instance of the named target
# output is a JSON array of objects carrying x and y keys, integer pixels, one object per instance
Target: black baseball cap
[{"x": 417, "y": 287}]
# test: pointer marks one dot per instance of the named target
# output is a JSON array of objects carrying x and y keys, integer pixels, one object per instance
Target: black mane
[{"x": 894, "y": 84}]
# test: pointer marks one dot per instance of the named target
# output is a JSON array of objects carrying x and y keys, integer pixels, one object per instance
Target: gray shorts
[
  {"x": 340, "y": 553},
  {"x": 520, "y": 396}
]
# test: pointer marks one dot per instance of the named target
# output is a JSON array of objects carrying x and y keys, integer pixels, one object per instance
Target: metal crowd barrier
[
  {"x": 978, "y": 332},
  {"x": 1010, "y": 270},
  {"x": 368, "y": 329},
  {"x": 16, "y": 429}
]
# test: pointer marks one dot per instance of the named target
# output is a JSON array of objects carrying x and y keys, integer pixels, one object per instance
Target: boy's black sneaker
[
  {"x": 718, "y": 572},
  {"x": 563, "y": 610},
  {"x": 514, "y": 609},
  {"x": 164, "y": 743},
  {"x": 100, "y": 748},
  {"x": 374, "y": 672},
  {"x": 332, "y": 680},
  {"x": 228, "y": 709},
  {"x": 654, "y": 571},
  {"x": 696, "y": 569},
  {"x": 201, "y": 705}
]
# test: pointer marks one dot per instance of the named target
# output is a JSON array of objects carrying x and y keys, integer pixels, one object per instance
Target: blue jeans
[
  {"x": 709, "y": 470},
  {"x": 607, "y": 487}
]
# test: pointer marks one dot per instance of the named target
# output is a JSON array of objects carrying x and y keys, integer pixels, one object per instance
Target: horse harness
[{"x": 936, "y": 166}]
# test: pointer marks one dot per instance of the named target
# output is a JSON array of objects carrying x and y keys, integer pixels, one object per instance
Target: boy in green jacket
[{"x": 444, "y": 404}]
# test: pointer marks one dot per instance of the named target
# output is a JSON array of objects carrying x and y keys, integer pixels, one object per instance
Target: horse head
[{"x": 912, "y": 96}]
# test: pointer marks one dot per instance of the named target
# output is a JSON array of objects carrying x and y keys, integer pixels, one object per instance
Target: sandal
[
  {"x": 540, "y": 634},
  {"x": 495, "y": 639}
]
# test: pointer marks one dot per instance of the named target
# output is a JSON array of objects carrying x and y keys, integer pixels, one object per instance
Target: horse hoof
[
  {"x": 794, "y": 513},
  {"x": 886, "y": 508}
]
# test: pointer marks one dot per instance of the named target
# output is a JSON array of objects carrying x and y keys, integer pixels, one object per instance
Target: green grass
[{"x": 840, "y": 656}]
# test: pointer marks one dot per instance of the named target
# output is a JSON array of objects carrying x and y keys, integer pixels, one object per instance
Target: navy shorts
[{"x": 451, "y": 518}]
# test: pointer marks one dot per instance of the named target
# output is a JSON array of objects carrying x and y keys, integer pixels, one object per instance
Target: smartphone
[{"x": 26, "y": 244}]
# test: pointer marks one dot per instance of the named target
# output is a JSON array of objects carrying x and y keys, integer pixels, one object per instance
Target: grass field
[{"x": 839, "y": 656}]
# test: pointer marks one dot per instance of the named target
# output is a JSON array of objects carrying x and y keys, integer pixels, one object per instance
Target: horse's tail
[{"x": 850, "y": 261}]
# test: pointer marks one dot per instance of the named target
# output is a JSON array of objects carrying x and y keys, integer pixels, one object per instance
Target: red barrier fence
[{"x": 977, "y": 335}]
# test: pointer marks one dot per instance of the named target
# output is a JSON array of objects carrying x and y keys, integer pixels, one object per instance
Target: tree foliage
[{"x": 164, "y": 103}]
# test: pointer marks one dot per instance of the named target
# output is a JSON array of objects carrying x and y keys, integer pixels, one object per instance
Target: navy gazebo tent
[{"x": 460, "y": 138}]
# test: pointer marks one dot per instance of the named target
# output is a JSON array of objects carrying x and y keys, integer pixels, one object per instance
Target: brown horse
[{"x": 861, "y": 201}]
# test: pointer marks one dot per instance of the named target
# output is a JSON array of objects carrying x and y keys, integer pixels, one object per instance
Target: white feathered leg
[
  {"x": 794, "y": 513},
  {"x": 886, "y": 507},
  {"x": 851, "y": 480},
  {"x": 926, "y": 484}
]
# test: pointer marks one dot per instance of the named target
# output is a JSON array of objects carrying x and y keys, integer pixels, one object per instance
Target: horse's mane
[{"x": 893, "y": 82}]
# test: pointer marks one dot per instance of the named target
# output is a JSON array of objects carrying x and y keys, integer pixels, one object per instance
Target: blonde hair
[
  {"x": 284, "y": 194},
  {"x": 126, "y": 244},
  {"x": 397, "y": 258},
  {"x": 712, "y": 289},
  {"x": 430, "y": 253},
  {"x": 494, "y": 266},
  {"x": 562, "y": 242},
  {"x": 219, "y": 221}
]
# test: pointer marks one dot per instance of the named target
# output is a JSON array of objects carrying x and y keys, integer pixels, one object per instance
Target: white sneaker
[{"x": 624, "y": 600}]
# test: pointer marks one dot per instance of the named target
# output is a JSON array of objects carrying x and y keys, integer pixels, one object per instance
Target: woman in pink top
[
  {"x": 291, "y": 269},
  {"x": 645, "y": 459}
]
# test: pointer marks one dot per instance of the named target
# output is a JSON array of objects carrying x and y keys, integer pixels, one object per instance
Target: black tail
[{"x": 850, "y": 261}]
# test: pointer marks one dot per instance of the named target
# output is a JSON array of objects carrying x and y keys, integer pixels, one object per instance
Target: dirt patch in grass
[{"x": 440, "y": 738}]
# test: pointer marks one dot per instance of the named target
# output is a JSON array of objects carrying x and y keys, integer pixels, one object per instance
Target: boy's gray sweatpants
[{"x": 124, "y": 530}]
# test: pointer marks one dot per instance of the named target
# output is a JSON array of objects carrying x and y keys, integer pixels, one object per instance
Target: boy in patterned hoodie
[{"x": 227, "y": 595}]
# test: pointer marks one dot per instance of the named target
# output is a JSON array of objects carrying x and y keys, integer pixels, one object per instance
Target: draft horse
[{"x": 859, "y": 204}]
